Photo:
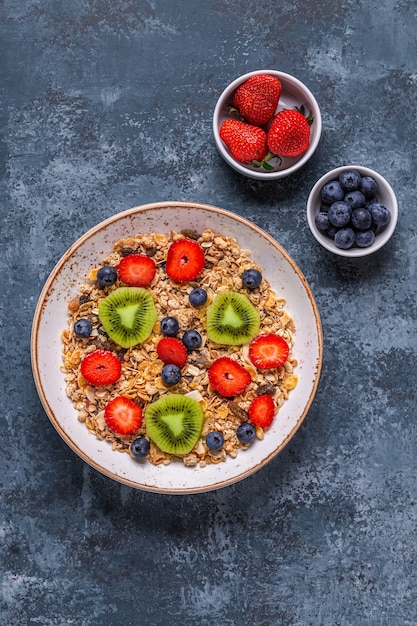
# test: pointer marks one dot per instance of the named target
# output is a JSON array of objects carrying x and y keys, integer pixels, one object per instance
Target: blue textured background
[{"x": 107, "y": 104}]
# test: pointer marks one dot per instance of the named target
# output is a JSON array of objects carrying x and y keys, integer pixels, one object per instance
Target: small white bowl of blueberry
[{"x": 352, "y": 211}]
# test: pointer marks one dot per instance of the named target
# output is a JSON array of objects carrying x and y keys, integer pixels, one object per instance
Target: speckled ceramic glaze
[
  {"x": 51, "y": 318},
  {"x": 294, "y": 94}
]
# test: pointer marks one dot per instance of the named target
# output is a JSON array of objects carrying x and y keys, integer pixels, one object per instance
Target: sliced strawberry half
[
  {"x": 268, "y": 351},
  {"x": 185, "y": 260},
  {"x": 137, "y": 270},
  {"x": 261, "y": 411},
  {"x": 228, "y": 377},
  {"x": 101, "y": 367},
  {"x": 171, "y": 350},
  {"x": 123, "y": 415}
]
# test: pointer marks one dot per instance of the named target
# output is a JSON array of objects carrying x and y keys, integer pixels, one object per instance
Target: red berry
[
  {"x": 257, "y": 98},
  {"x": 268, "y": 351},
  {"x": 172, "y": 351},
  {"x": 246, "y": 142},
  {"x": 101, "y": 367},
  {"x": 228, "y": 377},
  {"x": 137, "y": 270},
  {"x": 261, "y": 411},
  {"x": 123, "y": 415},
  {"x": 185, "y": 260},
  {"x": 289, "y": 133}
]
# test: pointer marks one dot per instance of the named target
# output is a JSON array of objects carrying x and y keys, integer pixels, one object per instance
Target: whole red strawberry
[
  {"x": 246, "y": 142},
  {"x": 289, "y": 133},
  {"x": 257, "y": 98}
]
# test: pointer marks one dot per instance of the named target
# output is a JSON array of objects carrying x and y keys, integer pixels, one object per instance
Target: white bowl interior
[
  {"x": 294, "y": 93},
  {"x": 51, "y": 318},
  {"x": 385, "y": 195}
]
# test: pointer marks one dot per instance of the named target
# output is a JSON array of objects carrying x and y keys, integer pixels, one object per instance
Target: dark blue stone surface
[{"x": 107, "y": 104}]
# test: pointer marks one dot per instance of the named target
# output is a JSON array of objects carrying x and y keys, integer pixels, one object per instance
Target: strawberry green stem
[{"x": 264, "y": 163}]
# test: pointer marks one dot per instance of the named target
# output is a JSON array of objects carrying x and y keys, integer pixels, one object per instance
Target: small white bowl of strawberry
[{"x": 266, "y": 124}]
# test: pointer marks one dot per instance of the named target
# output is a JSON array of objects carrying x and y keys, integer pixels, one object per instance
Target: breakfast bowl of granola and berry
[
  {"x": 267, "y": 124},
  {"x": 176, "y": 347}
]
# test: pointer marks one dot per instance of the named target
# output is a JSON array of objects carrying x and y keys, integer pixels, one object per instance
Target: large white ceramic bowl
[
  {"x": 385, "y": 195},
  {"x": 51, "y": 318},
  {"x": 294, "y": 94}
]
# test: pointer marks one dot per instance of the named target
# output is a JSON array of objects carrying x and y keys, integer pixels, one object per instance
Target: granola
[{"x": 141, "y": 367}]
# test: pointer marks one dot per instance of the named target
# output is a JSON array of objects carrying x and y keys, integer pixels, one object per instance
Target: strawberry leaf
[{"x": 309, "y": 117}]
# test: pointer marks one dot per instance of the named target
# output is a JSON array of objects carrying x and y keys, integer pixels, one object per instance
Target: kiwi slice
[
  {"x": 128, "y": 315},
  {"x": 231, "y": 319},
  {"x": 174, "y": 423}
]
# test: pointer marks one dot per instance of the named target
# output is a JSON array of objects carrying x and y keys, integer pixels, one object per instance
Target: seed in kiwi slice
[
  {"x": 231, "y": 319},
  {"x": 174, "y": 423},
  {"x": 128, "y": 315}
]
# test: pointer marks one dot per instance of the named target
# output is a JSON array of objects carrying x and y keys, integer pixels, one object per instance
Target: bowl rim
[
  {"x": 240, "y": 167},
  {"x": 326, "y": 242},
  {"x": 42, "y": 303}
]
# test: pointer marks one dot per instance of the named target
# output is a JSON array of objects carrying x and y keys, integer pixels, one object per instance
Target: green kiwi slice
[
  {"x": 174, "y": 423},
  {"x": 231, "y": 319},
  {"x": 128, "y": 315}
]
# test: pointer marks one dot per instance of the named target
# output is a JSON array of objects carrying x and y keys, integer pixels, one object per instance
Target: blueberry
[
  {"x": 83, "y": 327},
  {"x": 322, "y": 221},
  {"x": 198, "y": 297},
  {"x": 332, "y": 192},
  {"x": 324, "y": 207},
  {"x": 106, "y": 276},
  {"x": 140, "y": 447},
  {"x": 350, "y": 180},
  {"x": 365, "y": 238},
  {"x": 339, "y": 214},
  {"x": 251, "y": 279},
  {"x": 171, "y": 374},
  {"x": 373, "y": 200},
  {"x": 380, "y": 214},
  {"x": 192, "y": 339},
  {"x": 355, "y": 199},
  {"x": 170, "y": 326},
  {"x": 344, "y": 238},
  {"x": 214, "y": 440},
  {"x": 368, "y": 186},
  {"x": 361, "y": 219},
  {"x": 331, "y": 231},
  {"x": 246, "y": 432}
]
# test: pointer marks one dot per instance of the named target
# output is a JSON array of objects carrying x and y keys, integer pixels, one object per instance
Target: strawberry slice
[
  {"x": 268, "y": 351},
  {"x": 137, "y": 270},
  {"x": 101, "y": 367},
  {"x": 228, "y": 377},
  {"x": 123, "y": 415},
  {"x": 171, "y": 350},
  {"x": 185, "y": 260},
  {"x": 261, "y": 411}
]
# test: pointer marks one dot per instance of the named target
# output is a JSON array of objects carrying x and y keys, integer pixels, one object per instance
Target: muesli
[{"x": 141, "y": 378}]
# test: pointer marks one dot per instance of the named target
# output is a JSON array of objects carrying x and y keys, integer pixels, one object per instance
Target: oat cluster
[{"x": 141, "y": 367}]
